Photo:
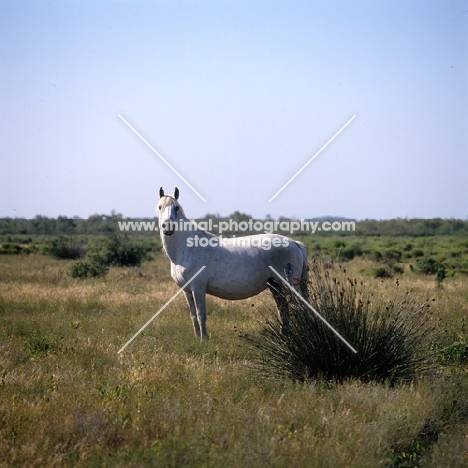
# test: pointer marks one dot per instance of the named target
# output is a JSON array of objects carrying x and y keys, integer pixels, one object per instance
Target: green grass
[{"x": 68, "y": 399}]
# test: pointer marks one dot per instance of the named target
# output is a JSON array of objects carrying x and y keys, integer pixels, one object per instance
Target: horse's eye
[
  {"x": 177, "y": 207},
  {"x": 159, "y": 207}
]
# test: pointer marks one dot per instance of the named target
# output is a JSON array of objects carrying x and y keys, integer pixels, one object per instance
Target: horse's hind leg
[
  {"x": 281, "y": 303},
  {"x": 301, "y": 284},
  {"x": 304, "y": 282},
  {"x": 193, "y": 312}
]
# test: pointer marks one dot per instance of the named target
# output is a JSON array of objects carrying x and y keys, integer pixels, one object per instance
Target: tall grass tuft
[{"x": 393, "y": 339}]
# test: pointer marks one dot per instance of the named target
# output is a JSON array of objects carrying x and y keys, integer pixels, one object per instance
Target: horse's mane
[{"x": 168, "y": 200}]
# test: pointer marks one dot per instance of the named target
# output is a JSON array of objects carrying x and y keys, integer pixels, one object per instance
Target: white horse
[{"x": 235, "y": 268}]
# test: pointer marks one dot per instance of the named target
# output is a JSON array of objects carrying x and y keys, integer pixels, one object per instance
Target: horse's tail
[{"x": 304, "y": 278}]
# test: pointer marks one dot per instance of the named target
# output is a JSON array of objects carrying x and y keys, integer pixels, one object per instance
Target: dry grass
[{"x": 68, "y": 399}]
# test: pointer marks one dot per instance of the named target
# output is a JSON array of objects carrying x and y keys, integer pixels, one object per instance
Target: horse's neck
[{"x": 176, "y": 244}]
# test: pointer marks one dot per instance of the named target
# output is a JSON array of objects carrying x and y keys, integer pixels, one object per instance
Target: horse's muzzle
[{"x": 166, "y": 229}]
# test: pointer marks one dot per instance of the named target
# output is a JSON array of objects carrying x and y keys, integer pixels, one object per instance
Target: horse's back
[{"x": 238, "y": 270}]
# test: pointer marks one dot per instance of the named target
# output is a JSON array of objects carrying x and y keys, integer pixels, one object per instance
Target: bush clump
[
  {"x": 121, "y": 251},
  {"x": 115, "y": 250},
  {"x": 349, "y": 252},
  {"x": 65, "y": 248},
  {"x": 427, "y": 265},
  {"x": 393, "y": 339},
  {"x": 94, "y": 267},
  {"x": 11, "y": 249},
  {"x": 392, "y": 256},
  {"x": 383, "y": 271}
]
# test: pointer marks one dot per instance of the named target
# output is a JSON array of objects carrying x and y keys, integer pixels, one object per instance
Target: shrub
[
  {"x": 383, "y": 271},
  {"x": 11, "y": 249},
  {"x": 417, "y": 253},
  {"x": 120, "y": 251},
  {"x": 376, "y": 256},
  {"x": 392, "y": 256},
  {"x": 94, "y": 267},
  {"x": 427, "y": 265},
  {"x": 441, "y": 274},
  {"x": 393, "y": 339},
  {"x": 65, "y": 248},
  {"x": 115, "y": 250},
  {"x": 79, "y": 270},
  {"x": 348, "y": 253}
]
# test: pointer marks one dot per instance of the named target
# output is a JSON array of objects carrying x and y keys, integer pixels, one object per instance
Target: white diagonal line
[
  {"x": 161, "y": 309},
  {"x": 313, "y": 310},
  {"x": 159, "y": 156},
  {"x": 312, "y": 158}
]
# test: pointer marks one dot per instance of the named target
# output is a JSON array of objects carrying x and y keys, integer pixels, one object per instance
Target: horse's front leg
[
  {"x": 199, "y": 296},
  {"x": 193, "y": 312}
]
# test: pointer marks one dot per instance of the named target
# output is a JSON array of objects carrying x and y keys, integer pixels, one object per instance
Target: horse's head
[{"x": 169, "y": 212}]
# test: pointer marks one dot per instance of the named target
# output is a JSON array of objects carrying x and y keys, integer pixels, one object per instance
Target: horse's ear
[
  {"x": 161, "y": 192},
  {"x": 176, "y": 193}
]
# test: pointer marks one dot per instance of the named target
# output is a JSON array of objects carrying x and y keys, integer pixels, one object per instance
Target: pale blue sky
[{"x": 237, "y": 96}]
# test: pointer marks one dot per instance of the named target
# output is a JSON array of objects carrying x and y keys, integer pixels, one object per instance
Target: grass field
[{"x": 68, "y": 399}]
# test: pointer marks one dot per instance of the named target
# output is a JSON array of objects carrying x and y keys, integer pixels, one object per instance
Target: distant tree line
[
  {"x": 105, "y": 224},
  {"x": 42, "y": 225},
  {"x": 411, "y": 227}
]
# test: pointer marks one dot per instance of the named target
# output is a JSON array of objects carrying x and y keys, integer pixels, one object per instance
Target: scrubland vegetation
[{"x": 68, "y": 399}]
